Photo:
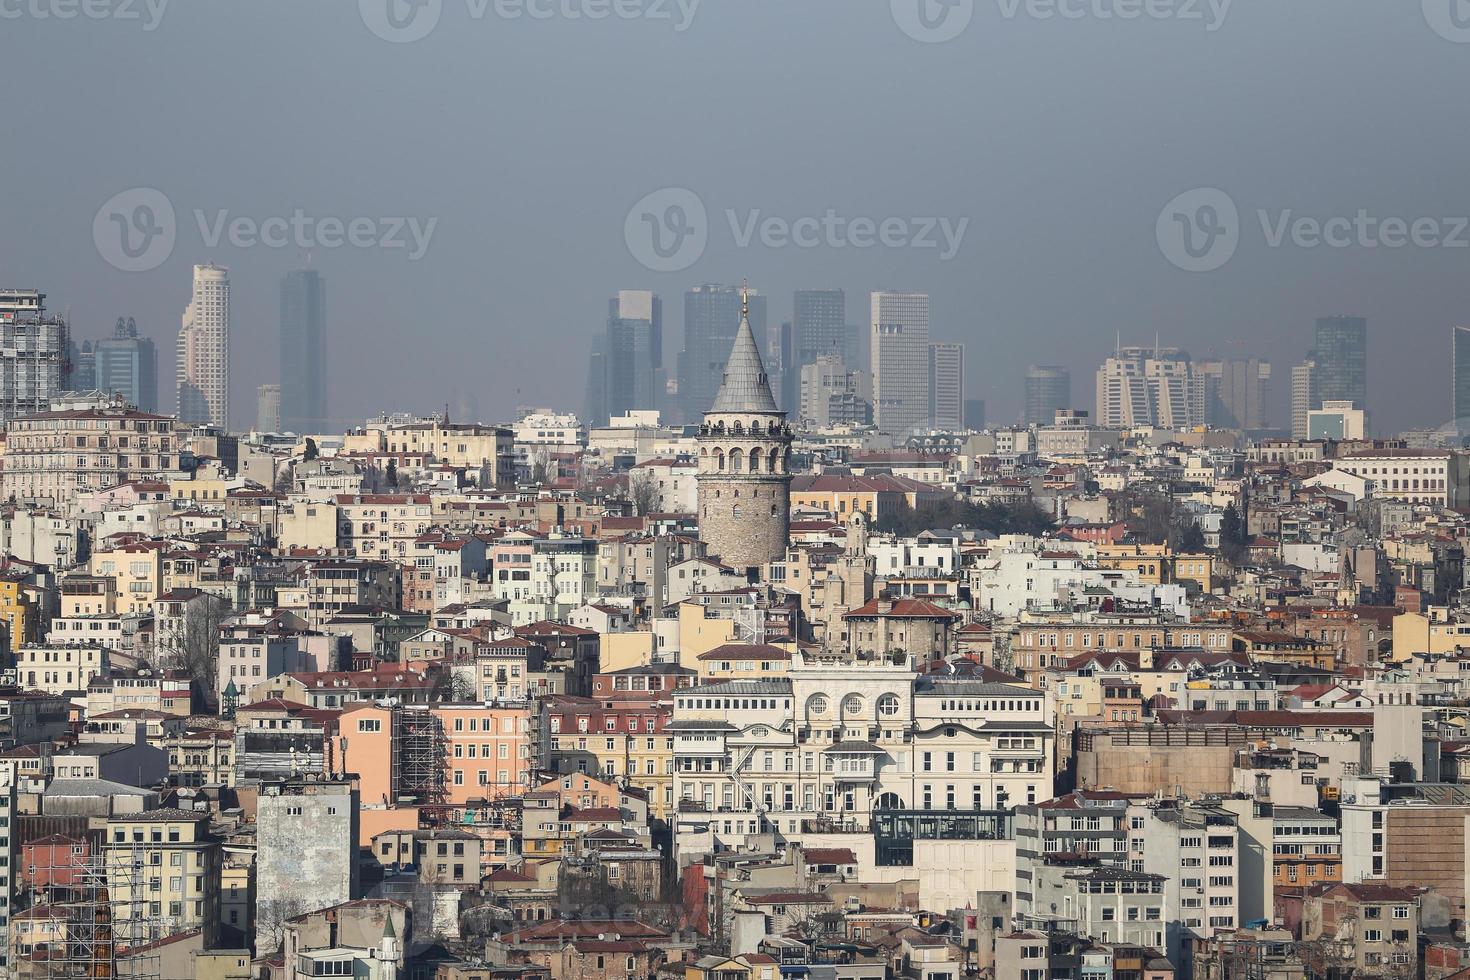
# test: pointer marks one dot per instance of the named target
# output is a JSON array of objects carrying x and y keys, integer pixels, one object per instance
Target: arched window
[
  {"x": 719, "y": 460},
  {"x": 755, "y": 461},
  {"x": 737, "y": 428},
  {"x": 735, "y": 512},
  {"x": 737, "y": 460}
]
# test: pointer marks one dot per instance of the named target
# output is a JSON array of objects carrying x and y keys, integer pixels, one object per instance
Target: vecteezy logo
[
  {"x": 135, "y": 230},
  {"x": 1199, "y": 230},
  {"x": 400, "y": 21},
  {"x": 1450, "y": 19},
  {"x": 667, "y": 231},
  {"x": 932, "y": 21}
]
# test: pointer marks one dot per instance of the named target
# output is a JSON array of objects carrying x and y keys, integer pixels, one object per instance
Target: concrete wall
[
  {"x": 1194, "y": 769},
  {"x": 305, "y": 861}
]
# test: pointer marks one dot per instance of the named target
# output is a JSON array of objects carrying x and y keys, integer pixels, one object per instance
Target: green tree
[{"x": 999, "y": 518}]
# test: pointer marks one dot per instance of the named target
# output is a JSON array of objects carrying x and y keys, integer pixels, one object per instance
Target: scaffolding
[
  {"x": 419, "y": 751},
  {"x": 88, "y": 917}
]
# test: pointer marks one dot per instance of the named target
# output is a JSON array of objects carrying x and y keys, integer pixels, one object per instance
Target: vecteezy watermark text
[
  {"x": 1199, "y": 230},
  {"x": 936, "y": 21},
  {"x": 405, "y": 21},
  {"x": 301, "y": 230},
  {"x": 669, "y": 229},
  {"x": 148, "y": 13},
  {"x": 136, "y": 230}
]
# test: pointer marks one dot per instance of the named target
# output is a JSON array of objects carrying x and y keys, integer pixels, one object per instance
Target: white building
[
  {"x": 1197, "y": 849},
  {"x": 204, "y": 349},
  {"x": 1150, "y": 386},
  {"x": 1440, "y": 477},
  {"x": 1013, "y": 581},
  {"x": 899, "y": 354},
  {"x": 834, "y": 740}
]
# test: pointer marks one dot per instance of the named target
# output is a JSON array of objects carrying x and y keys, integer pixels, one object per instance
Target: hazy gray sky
[{"x": 529, "y": 139}]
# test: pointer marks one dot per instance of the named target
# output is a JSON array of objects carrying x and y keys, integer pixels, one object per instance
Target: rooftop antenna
[{"x": 744, "y": 299}]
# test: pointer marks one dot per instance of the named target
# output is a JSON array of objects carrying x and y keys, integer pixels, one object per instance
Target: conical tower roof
[{"x": 745, "y": 387}]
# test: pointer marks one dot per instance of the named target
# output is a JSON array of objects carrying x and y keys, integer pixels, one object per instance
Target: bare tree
[
  {"x": 643, "y": 491},
  {"x": 540, "y": 466},
  {"x": 193, "y": 645}
]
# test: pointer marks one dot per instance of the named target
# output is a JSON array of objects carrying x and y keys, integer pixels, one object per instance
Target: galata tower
[{"x": 744, "y": 462}]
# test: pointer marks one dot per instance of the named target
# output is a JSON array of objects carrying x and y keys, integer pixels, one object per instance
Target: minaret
[{"x": 744, "y": 462}]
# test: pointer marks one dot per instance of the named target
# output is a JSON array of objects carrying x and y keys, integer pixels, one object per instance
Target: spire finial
[{"x": 744, "y": 299}]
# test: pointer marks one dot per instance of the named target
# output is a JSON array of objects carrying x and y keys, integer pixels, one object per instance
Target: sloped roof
[{"x": 745, "y": 387}]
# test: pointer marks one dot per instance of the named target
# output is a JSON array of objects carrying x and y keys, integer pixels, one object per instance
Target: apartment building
[
  {"x": 52, "y": 457},
  {"x": 163, "y": 874}
]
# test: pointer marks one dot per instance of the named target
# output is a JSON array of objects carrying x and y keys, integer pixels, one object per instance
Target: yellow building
[
  {"x": 1149, "y": 561},
  {"x": 745, "y": 661},
  {"x": 18, "y": 610},
  {"x": 1434, "y": 632},
  {"x": 620, "y": 739},
  {"x": 876, "y": 495},
  {"x": 163, "y": 874},
  {"x": 137, "y": 574},
  {"x": 452, "y": 443},
  {"x": 699, "y": 633}
]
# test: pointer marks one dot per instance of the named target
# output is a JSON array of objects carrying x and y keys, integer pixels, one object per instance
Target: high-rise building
[
  {"x": 127, "y": 366},
  {"x": 1150, "y": 386},
  {"x": 268, "y": 408},
  {"x": 783, "y": 367},
  {"x": 634, "y": 352},
  {"x": 1236, "y": 393},
  {"x": 947, "y": 387},
  {"x": 1303, "y": 396},
  {"x": 303, "y": 353},
  {"x": 203, "y": 357},
  {"x": 595, "y": 408},
  {"x": 833, "y": 394},
  {"x": 1460, "y": 360},
  {"x": 1048, "y": 390},
  {"x": 899, "y": 355},
  {"x": 711, "y": 320},
  {"x": 975, "y": 414},
  {"x": 83, "y": 367},
  {"x": 818, "y": 328},
  {"x": 744, "y": 463},
  {"x": 35, "y": 352},
  {"x": 1340, "y": 348}
]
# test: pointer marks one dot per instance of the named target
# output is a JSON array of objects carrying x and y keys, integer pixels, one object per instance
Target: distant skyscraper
[
  {"x": 1340, "y": 348},
  {"x": 303, "y": 352},
  {"x": 834, "y": 394},
  {"x": 635, "y": 326},
  {"x": 1460, "y": 358},
  {"x": 1048, "y": 390},
  {"x": 947, "y": 387},
  {"x": 1236, "y": 393},
  {"x": 1150, "y": 386},
  {"x": 975, "y": 413},
  {"x": 127, "y": 366},
  {"x": 782, "y": 367},
  {"x": 268, "y": 408},
  {"x": 711, "y": 320},
  {"x": 596, "y": 403},
  {"x": 1304, "y": 398},
  {"x": 83, "y": 368},
  {"x": 203, "y": 360},
  {"x": 818, "y": 328},
  {"x": 899, "y": 355}
]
